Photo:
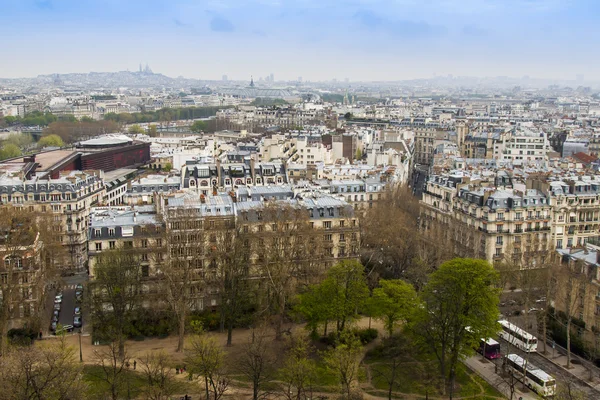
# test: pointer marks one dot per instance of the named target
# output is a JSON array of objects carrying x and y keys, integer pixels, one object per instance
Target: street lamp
[{"x": 80, "y": 353}]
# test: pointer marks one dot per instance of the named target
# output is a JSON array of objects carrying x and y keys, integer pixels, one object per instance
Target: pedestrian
[
  {"x": 134, "y": 364},
  {"x": 40, "y": 334},
  {"x": 177, "y": 370}
]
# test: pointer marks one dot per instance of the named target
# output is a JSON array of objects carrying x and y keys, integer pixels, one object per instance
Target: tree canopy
[
  {"x": 198, "y": 126},
  {"x": 459, "y": 306},
  {"x": 393, "y": 302},
  {"x": 51, "y": 141}
]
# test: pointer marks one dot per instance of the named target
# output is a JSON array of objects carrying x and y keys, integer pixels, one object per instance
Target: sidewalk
[
  {"x": 558, "y": 357},
  {"x": 486, "y": 370}
]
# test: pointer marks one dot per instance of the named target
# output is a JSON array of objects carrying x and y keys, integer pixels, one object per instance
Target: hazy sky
[{"x": 315, "y": 39}]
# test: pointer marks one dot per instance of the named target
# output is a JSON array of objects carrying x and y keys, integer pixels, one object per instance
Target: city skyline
[{"x": 363, "y": 40}]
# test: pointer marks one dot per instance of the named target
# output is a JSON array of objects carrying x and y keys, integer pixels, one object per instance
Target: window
[
  {"x": 111, "y": 231},
  {"x": 144, "y": 243},
  {"x": 342, "y": 222},
  {"x": 327, "y": 224},
  {"x": 144, "y": 257},
  {"x": 128, "y": 244},
  {"x": 327, "y": 238},
  {"x": 145, "y": 271},
  {"x": 245, "y": 229},
  {"x": 159, "y": 242},
  {"x": 342, "y": 237},
  {"x": 111, "y": 245},
  {"x": 97, "y": 232},
  {"x": 98, "y": 246}
]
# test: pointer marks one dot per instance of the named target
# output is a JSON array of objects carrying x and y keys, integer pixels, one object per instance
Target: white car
[{"x": 58, "y": 298}]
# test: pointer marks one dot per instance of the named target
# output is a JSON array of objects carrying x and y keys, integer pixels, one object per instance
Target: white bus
[
  {"x": 518, "y": 337},
  {"x": 536, "y": 379}
]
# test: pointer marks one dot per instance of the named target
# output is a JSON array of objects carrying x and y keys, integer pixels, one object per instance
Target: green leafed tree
[
  {"x": 313, "y": 306},
  {"x": 135, "y": 129},
  {"x": 459, "y": 305},
  {"x": 51, "y": 141},
  {"x": 346, "y": 287},
  {"x": 393, "y": 302},
  {"x": 9, "y": 150},
  {"x": 343, "y": 361},
  {"x": 198, "y": 126}
]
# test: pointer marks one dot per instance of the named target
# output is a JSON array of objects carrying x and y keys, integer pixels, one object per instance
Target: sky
[{"x": 365, "y": 40}]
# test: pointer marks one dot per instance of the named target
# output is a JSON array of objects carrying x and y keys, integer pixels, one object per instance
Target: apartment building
[
  {"x": 523, "y": 145},
  {"x": 68, "y": 199},
  {"x": 499, "y": 225},
  {"x": 576, "y": 207}
]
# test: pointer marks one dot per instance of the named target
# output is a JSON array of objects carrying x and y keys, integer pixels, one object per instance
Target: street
[{"x": 68, "y": 304}]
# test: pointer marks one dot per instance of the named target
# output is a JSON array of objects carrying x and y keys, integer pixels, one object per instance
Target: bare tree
[
  {"x": 113, "y": 362},
  {"x": 257, "y": 362},
  {"x": 231, "y": 276},
  {"x": 184, "y": 268},
  {"x": 287, "y": 251},
  {"x": 570, "y": 294},
  {"x": 115, "y": 294},
  {"x": 158, "y": 374},
  {"x": 43, "y": 372}
]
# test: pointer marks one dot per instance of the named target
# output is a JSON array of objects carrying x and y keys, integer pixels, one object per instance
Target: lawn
[{"x": 132, "y": 384}]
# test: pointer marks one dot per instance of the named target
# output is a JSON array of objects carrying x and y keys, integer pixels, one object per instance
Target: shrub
[
  {"x": 366, "y": 335},
  {"x": 21, "y": 336}
]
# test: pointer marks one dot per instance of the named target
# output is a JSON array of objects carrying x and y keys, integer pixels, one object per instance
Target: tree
[
  {"x": 198, "y": 126},
  {"x": 205, "y": 358},
  {"x": 257, "y": 362},
  {"x": 152, "y": 131},
  {"x": 393, "y": 302},
  {"x": 158, "y": 374},
  {"x": 299, "y": 371},
  {"x": 51, "y": 141},
  {"x": 313, "y": 305},
  {"x": 347, "y": 289},
  {"x": 343, "y": 360},
  {"x": 168, "y": 167},
  {"x": 135, "y": 129},
  {"x": 9, "y": 150},
  {"x": 571, "y": 282},
  {"x": 231, "y": 276},
  {"x": 43, "y": 372},
  {"x": 358, "y": 155},
  {"x": 115, "y": 294},
  {"x": 288, "y": 255},
  {"x": 112, "y": 362},
  {"x": 459, "y": 295},
  {"x": 182, "y": 271},
  {"x": 395, "y": 351}
]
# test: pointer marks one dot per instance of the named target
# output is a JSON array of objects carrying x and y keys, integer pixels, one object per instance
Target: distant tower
[
  {"x": 140, "y": 68},
  {"x": 251, "y": 81},
  {"x": 345, "y": 100}
]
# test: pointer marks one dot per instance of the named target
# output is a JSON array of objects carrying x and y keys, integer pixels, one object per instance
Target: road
[
  {"x": 68, "y": 304},
  {"x": 561, "y": 375}
]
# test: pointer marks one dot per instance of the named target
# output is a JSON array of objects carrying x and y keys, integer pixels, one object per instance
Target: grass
[{"x": 131, "y": 386}]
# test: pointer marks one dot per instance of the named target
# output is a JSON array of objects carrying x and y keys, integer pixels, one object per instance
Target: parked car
[
  {"x": 57, "y": 306},
  {"x": 77, "y": 311},
  {"x": 79, "y": 296},
  {"x": 64, "y": 328},
  {"x": 55, "y": 318},
  {"x": 79, "y": 287},
  {"x": 77, "y": 322},
  {"x": 55, "y": 313},
  {"x": 53, "y": 325},
  {"x": 58, "y": 298}
]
